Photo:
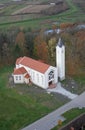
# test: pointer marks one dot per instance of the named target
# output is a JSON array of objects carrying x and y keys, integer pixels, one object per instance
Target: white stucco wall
[
  {"x": 26, "y": 80},
  {"x": 36, "y": 77},
  {"x": 17, "y": 78},
  {"x": 54, "y": 80},
  {"x": 60, "y": 61},
  {"x": 41, "y": 79}
]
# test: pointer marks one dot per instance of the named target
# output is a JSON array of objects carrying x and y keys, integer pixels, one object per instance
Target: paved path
[
  {"x": 49, "y": 121},
  {"x": 61, "y": 90}
]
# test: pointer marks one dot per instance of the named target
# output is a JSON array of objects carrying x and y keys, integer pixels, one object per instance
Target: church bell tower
[{"x": 60, "y": 59}]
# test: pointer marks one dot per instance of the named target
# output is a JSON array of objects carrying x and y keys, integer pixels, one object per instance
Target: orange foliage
[
  {"x": 81, "y": 35},
  {"x": 38, "y": 39},
  {"x": 42, "y": 51},
  {"x": 20, "y": 39},
  {"x": 66, "y": 25},
  {"x": 54, "y": 26}
]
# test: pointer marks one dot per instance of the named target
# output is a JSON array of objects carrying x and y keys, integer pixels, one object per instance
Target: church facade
[{"x": 43, "y": 75}]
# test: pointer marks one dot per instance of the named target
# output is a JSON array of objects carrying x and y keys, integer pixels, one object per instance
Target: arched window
[{"x": 51, "y": 75}]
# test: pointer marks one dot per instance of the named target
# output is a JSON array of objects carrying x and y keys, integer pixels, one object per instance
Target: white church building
[{"x": 28, "y": 70}]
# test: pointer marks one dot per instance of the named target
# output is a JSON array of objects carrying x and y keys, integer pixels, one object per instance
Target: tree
[
  {"x": 6, "y": 54},
  {"x": 21, "y": 42},
  {"x": 66, "y": 25},
  {"x": 41, "y": 51},
  {"x": 51, "y": 49},
  {"x": 17, "y": 52},
  {"x": 40, "y": 47},
  {"x": 29, "y": 43}
]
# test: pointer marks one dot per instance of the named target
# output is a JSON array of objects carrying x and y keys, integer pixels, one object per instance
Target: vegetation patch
[
  {"x": 70, "y": 115},
  {"x": 21, "y": 105}
]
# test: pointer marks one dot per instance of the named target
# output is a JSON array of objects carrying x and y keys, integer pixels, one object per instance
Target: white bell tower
[{"x": 60, "y": 59}]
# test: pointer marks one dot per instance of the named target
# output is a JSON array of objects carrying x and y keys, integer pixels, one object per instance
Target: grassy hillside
[{"x": 21, "y": 105}]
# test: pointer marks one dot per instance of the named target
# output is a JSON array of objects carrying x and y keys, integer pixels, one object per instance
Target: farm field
[
  {"x": 21, "y": 105},
  {"x": 32, "y": 9},
  {"x": 26, "y": 14}
]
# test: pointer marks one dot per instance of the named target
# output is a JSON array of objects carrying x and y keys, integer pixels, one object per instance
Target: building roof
[
  {"x": 60, "y": 43},
  {"x": 19, "y": 71},
  {"x": 33, "y": 64},
  {"x": 18, "y": 60},
  {"x": 27, "y": 76}
]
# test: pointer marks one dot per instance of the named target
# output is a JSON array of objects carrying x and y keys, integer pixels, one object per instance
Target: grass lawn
[
  {"x": 70, "y": 115},
  {"x": 22, "y": 104}
]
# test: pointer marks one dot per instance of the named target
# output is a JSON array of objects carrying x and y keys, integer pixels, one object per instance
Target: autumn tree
[
  {"x": 21, "y": 42},
  {"x": 51, "y": 49},
  {"x": 66, "y": 25},
  {"x": 75, "y": 48},
  {"x": 80, "y": 46},
  {"x": 54, "y": 27},
  {"x": 40, "y": 47},
  {"x": 41, "y": 51}
]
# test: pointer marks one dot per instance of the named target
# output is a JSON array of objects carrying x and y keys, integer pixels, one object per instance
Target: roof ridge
[
  {"x": 35, "y": 60},
  {"x": 21, "y": 59},
  {"x": 34, "y": 64}
]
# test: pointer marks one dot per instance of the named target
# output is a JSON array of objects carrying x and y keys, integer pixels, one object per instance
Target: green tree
[
  {"x": 6, "y": 56},
  {"x": 29, "y": 43}
]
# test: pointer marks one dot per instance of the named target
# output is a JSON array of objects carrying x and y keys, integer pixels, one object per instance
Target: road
[{"x": 51, "y": 120}]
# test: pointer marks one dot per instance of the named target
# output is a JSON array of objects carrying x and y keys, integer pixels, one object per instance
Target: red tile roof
[
  {"x": 18, "y": 60},
  {"x": 33, "y": 64},
  {"x": 27, "y": 76},
  {"x": 19, "y": 71}
]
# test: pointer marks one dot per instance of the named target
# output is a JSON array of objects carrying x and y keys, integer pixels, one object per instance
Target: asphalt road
[{"x": 51, "y": 120}]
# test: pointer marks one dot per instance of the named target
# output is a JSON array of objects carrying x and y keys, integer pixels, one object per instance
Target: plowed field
[{"x": 32, "y": 9}]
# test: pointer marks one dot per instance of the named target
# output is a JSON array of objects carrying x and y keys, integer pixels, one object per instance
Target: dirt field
[
  {"x": 45, "y": 9},
  {"x": 32, "y": 9}
]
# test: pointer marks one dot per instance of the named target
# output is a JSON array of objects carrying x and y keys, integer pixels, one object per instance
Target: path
[
  {"x": 49, "y": 121},
  {"x": 61, "y": 90}
]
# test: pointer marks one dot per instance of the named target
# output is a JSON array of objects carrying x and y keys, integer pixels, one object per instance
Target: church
[{"x": 28, "y": 70}]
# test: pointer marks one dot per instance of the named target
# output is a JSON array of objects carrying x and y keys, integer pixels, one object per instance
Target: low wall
[{"x": 75, "y": 124}]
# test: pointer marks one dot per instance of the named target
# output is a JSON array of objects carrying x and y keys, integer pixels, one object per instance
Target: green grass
[
  {"x": 16, "y": 113},
  {"x": 80, "y": 79},
  {"x": 12, "y": 8},
  {"x": 70, "y": 115},
  {"x": 20, "y": 106},
  {"x": 4, "y": 1}
]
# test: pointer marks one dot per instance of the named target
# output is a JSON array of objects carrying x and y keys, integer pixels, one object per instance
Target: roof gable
[
  {"x": 19, "y": 71},
  {"x": 27, "y": 76},
  {"x": 33, "y": 64}
]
